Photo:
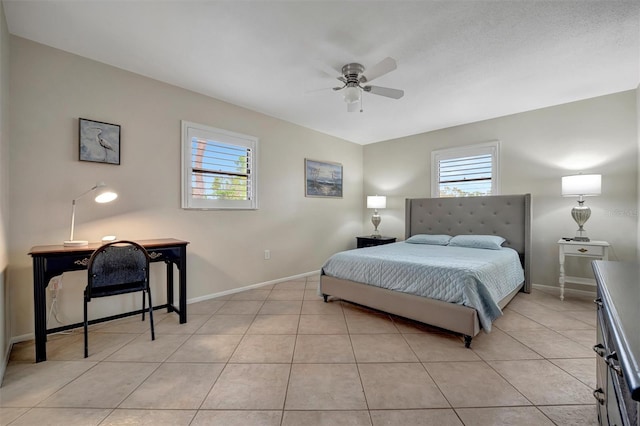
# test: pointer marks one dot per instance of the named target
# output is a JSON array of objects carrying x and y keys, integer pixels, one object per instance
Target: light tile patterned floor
[{"x": 279, "y": 355}]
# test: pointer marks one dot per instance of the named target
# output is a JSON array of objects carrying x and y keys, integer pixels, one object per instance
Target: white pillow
[
  {"x": 491, "y": 242},
  {"x": 436, "y": 240}
]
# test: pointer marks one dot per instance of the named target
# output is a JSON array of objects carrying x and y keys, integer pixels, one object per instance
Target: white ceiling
[{"x": 458, "y": 61}]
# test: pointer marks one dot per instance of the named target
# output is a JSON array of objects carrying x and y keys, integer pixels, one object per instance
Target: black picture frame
[{"x": 99, "y": 142}]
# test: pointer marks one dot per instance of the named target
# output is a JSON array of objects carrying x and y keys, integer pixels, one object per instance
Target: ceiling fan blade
[
  {"x": 381, "y": 68},
  {"x": 353, "y": 106},
  {"x": 324, "y": 89},
  {"x": 385, "y": 91},
  {"x": 328, "y": 70},
  {"x": 307, "y": 92}
]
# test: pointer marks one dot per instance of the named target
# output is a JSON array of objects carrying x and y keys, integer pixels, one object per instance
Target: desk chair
[{"x": 117, "y": 268}]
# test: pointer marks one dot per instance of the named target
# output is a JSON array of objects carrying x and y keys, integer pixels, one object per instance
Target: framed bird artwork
[{"x": 99, "y": 142}]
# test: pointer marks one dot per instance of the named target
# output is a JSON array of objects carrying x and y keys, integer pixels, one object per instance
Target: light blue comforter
[{"x": 477, "y": 278}]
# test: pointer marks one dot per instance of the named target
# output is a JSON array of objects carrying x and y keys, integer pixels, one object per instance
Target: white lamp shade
[
  {"x": 585, "y": 185},
  {"x": 106, "y": 196},
  {"x": 376, "y": 202}
]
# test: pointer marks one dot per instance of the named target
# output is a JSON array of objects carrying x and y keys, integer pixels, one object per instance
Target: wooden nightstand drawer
[{"x": 584, "y": 250}]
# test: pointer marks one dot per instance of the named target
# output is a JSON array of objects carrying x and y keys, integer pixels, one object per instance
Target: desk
[{"x": 50, "y": 261}]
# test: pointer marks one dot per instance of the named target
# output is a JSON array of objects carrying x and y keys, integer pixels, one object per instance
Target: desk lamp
[
  {"x": 376, "y": 202},
  {"x": 104, "y": 195},
  {"x": 581, "y": 186}
]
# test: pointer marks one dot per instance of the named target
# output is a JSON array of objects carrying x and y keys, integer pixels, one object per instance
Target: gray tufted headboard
[{"x": 506, "y": 215}]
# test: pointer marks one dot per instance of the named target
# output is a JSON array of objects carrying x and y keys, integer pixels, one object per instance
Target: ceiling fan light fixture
[
  {"x": 355, "y": 82},
  {"x": 351, "y": 94}
]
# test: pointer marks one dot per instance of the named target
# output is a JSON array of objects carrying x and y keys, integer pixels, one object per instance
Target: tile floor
[{"x": 278, "y": 355}]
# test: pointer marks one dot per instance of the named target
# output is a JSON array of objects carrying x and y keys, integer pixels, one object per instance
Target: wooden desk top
[{"x": 159, "y": 242}]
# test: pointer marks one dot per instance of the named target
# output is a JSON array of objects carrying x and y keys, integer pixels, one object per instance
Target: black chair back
[{"x": 116, "y": 268}]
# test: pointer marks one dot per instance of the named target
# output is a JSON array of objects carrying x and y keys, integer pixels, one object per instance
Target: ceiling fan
[{"x": 355, "y": 82}]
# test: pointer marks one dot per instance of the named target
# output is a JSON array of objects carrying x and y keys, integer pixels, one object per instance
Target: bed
[{"x": 508, "y": 216}]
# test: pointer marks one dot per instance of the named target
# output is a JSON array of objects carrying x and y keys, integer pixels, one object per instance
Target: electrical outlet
[{"x": 267, "y": 254}]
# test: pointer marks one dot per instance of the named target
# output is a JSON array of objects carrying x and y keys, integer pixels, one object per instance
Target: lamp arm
[
  {"x": 73, "y": 218},
  {"x": 87, "y": 191},
  {"x": 73, "y": 207}
]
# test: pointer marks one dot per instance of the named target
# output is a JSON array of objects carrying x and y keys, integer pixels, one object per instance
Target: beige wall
[
  {"x": 4, "y": 189},
  {"x": 537, "y": 148},
  {"x": 51, "y": 89}
]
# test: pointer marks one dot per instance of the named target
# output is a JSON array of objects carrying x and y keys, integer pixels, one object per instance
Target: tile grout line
[
  {"x": 295, "y": 343},
  {"x": 343, "y": 314},
  {"x": 357, "y": 364},
  {"x": 226, "y": 363}
]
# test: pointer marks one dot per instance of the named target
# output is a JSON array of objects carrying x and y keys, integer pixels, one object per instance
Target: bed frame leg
[
  {"x": 467, "y": 341},
  {"x": 325, "y": 297}
]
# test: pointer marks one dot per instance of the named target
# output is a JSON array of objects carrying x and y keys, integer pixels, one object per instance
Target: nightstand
[
  {"x": 370, "y": 241},
  {"x": 592, "y": 249}
]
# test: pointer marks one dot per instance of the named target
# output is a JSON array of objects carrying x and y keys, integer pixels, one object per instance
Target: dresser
[{"x": 617, "y": 342}]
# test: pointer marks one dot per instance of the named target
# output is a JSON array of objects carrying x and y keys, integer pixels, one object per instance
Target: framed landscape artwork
[
  {"x": 322, "y": 179},
  {"x": 99, "y": 142}
]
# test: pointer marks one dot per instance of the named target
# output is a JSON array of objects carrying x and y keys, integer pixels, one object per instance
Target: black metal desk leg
[
  {"x": 182, "y": 268},
  {"x": 40, "y": 308},
  {"x": 169, "y": 286}
]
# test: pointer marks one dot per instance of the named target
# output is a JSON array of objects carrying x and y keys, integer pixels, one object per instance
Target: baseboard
[
  {"x": 3, "y": 367},
  {"x": 251, "y": 287},
  {"x": 21, "y": 338},
  {"x": 13, "y": 341}
]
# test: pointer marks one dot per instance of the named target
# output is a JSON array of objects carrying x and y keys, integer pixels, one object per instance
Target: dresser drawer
[{"x": 579, "y": 250}]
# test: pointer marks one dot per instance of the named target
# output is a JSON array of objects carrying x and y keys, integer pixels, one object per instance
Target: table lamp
[
  {"x": 376, "y": 202},
  {"x": 103, "y": 195},
  {"x": 581, "y": 186}
]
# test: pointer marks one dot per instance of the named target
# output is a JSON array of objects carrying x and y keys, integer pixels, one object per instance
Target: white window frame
[
  {"x": 492, "y": 148},
  {"x": 191, "y": 130}
]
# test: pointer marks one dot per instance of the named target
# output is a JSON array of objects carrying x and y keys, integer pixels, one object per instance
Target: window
[
  {"x": 218, "y": 168},
  {"x": 465, "y": 171}
]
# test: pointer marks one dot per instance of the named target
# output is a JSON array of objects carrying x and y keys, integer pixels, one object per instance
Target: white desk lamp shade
[
  {"x": 103, "y": 195},
  {"x": 581, "y": 186}
]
